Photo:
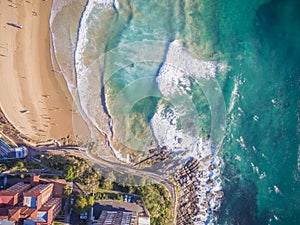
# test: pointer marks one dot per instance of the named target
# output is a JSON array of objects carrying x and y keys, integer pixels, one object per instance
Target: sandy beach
[{"x": 33, "y": 97}]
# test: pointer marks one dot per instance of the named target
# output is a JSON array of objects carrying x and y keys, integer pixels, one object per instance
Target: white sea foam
[
  {"x": 242, "y": 142},
  {"x": 164, "y": 127},
  {"x": 255, "y": 168},
  {"x": 83, "y": 40},
  {"x": 262, "y": 176},
  {"x": 174, "y": 80},
  {"x": 212, "y": 200},
  {"x": 238, "y": 158},
  {"x": 88, "y": 77},
  {"x": 177, "y": 56},
  {"x": 276, "y": 189},
  {"x": 234, "y": 95}
]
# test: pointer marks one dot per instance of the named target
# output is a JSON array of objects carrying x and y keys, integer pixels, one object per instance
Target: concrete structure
[
  {"x": 7, "y": 152},
  {"x": 117, "y": 218},
  {"x": 34, "y": 180},
  {"x": 143, "y": 219},
  {"x": 119, "y": 213},
  {"x": 36, "y": 206}
]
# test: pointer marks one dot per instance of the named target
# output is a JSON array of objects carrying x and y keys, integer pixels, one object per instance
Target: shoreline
[{"x": 33, "y": 97}]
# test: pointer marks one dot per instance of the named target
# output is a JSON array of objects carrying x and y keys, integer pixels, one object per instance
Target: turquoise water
[
  {"x": 258, "y": 41},
  {"x": 261, "y": 42}
]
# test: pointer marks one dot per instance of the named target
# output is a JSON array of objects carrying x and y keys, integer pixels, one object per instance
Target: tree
[
  {"x": 19, "y": 165},
  {"x": 69, "y": 172},
  {"x": 108, "y": 182},
  {"x": 120, "y": 198},
  {"x": 67, "y": 191},
  {"x": 91, "y": 200},
  {"x": 2, "y": 167},
  {"x": 80, "y": 204}
]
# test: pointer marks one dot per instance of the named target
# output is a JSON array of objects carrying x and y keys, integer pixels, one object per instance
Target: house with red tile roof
[{"x": 37, "y": 203}]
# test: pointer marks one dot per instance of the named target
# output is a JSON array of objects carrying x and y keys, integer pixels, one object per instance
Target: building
[
  {"x": 45, "y": 214},
  {"x": 143, "y": 219},
  {"x": 117, "y": 218},
  {"x": 31, "y": 204},
  {"x": 20, "y": 152},
  {"x": 122, "y": 213},
  {"x": 7, "y": 152},
  {"x": 13, "y": 195},
  {"x": 38, "y": 195}
]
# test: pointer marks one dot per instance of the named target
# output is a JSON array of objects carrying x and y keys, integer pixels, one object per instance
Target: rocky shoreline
[{"x": 198, "y": 195}]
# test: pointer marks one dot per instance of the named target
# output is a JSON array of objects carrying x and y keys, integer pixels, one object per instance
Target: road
[
  {"x": 35, "y": 171},
  {"x": 122, "y": 168},
  {"x": 4, "y": 148},
  {"x": 68, "y": 212},
  {"x": 8, "y": 138}
]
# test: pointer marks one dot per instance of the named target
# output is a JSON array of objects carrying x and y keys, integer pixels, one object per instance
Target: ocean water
[
  {"x": 261, "y": 42},
  {"x": 174, "y": 72}
]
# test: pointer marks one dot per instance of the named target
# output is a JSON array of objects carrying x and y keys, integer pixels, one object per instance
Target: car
[
  {"x": 83, "y": 216},
  {"x": 129, "y": 198}
]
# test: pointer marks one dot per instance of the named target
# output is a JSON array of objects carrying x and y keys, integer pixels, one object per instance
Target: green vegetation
[
  {"x": 156, "y": 197},
  {"x": 67, "y": 191},
  {"x": 21, "y": 165},
  {"x": 2, "y": 167},
  {"x": 82, "y": 204},
  {"x": 103, "y": 194},
  {"x": 58, "y": 223},
  {"x": 74, "y": 169},
  {"x": 31, "y": 165},
  {"x": 158, "y": 202},
  {"x": 91, "y": 200}
]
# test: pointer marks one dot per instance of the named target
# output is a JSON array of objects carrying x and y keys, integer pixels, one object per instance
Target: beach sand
[{"x": 33, "y": 97}]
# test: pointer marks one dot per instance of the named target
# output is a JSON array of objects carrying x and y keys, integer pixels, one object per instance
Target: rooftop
[
  {"x": 49, "y": 204},
  {"x": 37, "y": 201},
  {"x": 116, "y": 218},
  {"x": 38, "y": 189},
  {"x": 111, "y": 205},
  {"x": 18, "y": 187}
]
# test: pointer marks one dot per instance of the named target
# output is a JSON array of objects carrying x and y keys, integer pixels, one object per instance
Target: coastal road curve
[{"x": 122, "y": 168}]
